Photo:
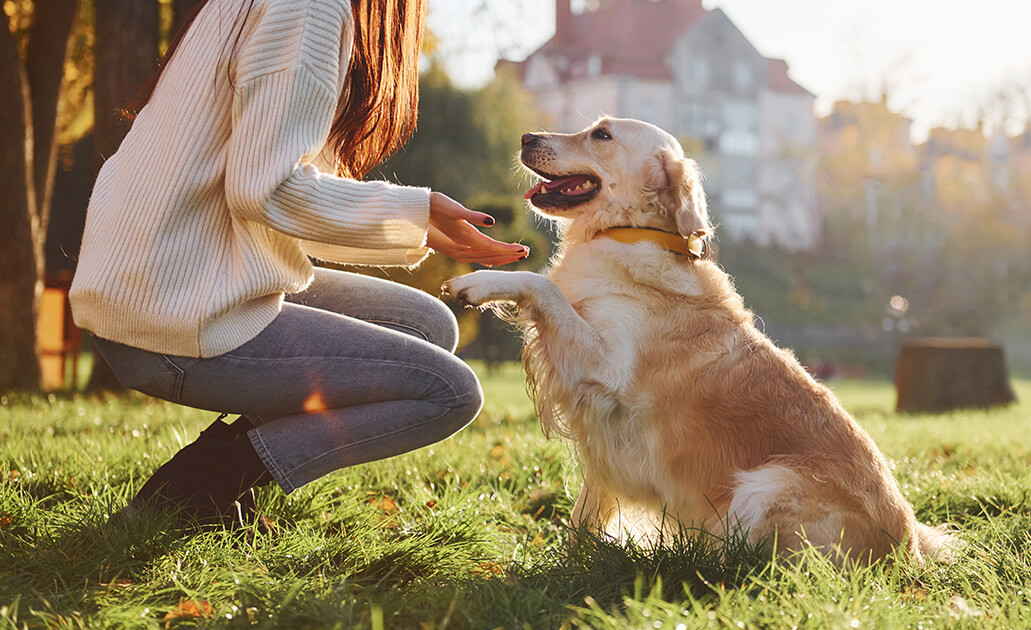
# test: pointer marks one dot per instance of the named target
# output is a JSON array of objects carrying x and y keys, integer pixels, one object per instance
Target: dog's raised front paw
[{"x": 481, "y": 287}]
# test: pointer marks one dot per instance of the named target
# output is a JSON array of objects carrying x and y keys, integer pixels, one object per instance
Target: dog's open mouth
[{"x": 562, "y": 191}]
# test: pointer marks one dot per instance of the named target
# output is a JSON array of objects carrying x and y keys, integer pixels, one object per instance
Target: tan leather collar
[{"x": 692, "y": 246}]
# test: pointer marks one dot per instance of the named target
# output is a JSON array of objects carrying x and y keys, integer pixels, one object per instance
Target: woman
[{"x": 194, "y": 275}]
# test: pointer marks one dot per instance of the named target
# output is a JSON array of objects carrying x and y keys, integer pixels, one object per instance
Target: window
[
  {"x": 739, "y": 143},
  {"x": 740, "y": 128},
  {"x": 538, "y": 74},
  {"x": 740, "y": 174},
  {"x": 699, "y": 72},
  {"x": 741, "y": 115},
  {"x": 593, "y": 66},
  {"x": 742, "y": 75},
  {"x": 699, "y": 120},
  {"x": 740, "y": 199}
]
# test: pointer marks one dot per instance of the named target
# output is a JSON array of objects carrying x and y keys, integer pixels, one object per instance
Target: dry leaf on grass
[{"x": 189, "y": 609}]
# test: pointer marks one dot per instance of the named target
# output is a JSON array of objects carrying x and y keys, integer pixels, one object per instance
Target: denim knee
[
  {"x": 466, "y": 403},
  {"x": 441, "y": 326}
]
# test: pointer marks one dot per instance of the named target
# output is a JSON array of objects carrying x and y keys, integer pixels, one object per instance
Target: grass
[{"x": 472, "y": 533}]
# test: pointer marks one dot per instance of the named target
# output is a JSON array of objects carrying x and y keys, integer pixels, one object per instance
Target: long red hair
[{"x": 379, "y": 105}]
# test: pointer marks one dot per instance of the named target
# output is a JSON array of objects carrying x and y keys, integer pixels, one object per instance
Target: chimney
[{"x": 563, "y": 20}]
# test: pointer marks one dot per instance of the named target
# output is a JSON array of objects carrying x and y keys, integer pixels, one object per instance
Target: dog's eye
[{"x": 600, "y": 134}]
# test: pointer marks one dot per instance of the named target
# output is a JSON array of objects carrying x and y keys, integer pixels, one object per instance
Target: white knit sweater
[{"x": 209, "y": 209}]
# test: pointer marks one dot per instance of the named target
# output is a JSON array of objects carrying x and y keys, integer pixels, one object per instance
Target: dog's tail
[{"x": 937, "y": 543}]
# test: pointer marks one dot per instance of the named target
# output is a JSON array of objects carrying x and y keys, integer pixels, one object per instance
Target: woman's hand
[{"x": 453, "y": 233}]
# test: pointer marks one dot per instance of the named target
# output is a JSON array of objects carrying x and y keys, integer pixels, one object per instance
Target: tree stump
[{"x": 938, "y": 375}]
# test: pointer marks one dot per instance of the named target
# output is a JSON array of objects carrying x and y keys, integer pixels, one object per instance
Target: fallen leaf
[
  {"x": 385, "y": 503},
  {"x": 916, "y": 593},
  {"x": 488, "y": 570},
  {"x": 189, "y": 609}
]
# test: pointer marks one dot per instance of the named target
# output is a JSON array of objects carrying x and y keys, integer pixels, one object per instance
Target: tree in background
[
  {"x": 937, "y": 223},
  {"x": 127, "y": 41},
  {"x": 62, "y": 76},
  {"x": 981, "y": 221},
  {"x": 32, "y": 57},
  {"x": 181, "y": 9}
]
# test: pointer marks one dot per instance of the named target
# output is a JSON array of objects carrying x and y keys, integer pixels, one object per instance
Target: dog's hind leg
[{"x": 792, "y": 510}]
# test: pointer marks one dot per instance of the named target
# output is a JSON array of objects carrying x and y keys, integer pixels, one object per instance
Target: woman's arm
[{"x": 282, "y": 114}]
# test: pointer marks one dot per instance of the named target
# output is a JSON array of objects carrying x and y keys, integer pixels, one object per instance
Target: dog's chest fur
[{"x": 612, "y": 421}]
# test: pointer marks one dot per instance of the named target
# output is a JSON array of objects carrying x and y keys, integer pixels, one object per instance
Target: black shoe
[
  {"x": 243, "y": 513},
  {"x": 203, "y": 482}
]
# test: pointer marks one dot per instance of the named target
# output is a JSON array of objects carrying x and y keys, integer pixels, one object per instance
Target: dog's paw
[{"x": 483, "y": 287}]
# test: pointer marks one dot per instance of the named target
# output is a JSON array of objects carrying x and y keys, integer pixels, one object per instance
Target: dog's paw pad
[
  {"x": 474, "y": 289},
  {"x": 460, "y": 289}
]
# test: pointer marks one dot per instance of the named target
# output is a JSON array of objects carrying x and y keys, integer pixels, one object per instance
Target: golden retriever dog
[{"x": 639, "y": 350}]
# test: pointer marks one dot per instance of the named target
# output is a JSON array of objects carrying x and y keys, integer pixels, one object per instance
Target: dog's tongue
[
  {"x": 533, "y": 191},
  {"x": 556, "y": 184}
]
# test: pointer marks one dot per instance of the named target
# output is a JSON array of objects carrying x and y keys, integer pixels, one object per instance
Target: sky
[{"x": 942, "y": 61}]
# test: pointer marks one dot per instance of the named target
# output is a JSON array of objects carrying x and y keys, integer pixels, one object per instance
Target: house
[{"x": 691, "y": 71}]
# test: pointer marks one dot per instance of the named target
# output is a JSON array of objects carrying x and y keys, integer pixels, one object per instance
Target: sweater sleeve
[{"x": 280, "y": 119}]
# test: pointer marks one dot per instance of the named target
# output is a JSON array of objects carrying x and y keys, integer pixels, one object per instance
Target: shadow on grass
[
  {"x": 353, "y": 572},
  {"x": 59, "y": 567},
  {"x": 598, "y": 572}
]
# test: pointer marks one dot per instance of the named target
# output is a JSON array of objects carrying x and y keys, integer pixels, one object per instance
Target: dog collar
[{"x": 692, "y": 246}]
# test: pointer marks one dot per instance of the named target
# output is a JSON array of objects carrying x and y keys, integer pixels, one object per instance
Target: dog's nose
[{"x": 529, "y": 138}]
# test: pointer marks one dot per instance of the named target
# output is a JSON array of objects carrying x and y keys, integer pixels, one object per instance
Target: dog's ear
[{"x": 676, "y": 184}]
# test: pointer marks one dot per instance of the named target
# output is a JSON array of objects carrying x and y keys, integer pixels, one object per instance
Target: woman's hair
[
  {"x": 379, "y": 104},
  {"x": 378, "y": 108}
]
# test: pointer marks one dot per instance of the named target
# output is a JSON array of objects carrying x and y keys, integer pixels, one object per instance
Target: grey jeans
[{"x": 353, "y": 369}]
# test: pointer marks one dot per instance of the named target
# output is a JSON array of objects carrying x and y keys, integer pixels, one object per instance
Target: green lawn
[{"x": 471, "y": 533}]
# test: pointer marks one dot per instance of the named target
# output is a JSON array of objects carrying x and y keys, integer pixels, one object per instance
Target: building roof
[
  {"x": 630, "y": 36},
  {"x": 778, "y": 80},
  {"x": 634, "y": 37}
]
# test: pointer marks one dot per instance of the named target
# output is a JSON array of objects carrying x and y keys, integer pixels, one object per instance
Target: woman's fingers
[
  {"x": 465, "y": 253},
  {"x": 453, "y": 233},
  {"x": 486, "y": 252}
]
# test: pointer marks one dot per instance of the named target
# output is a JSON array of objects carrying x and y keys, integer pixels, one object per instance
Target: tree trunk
[
  {"x": 938, "y": 375},
  {"x": 44, "y": 66},
  {"x": 181, "y": 9},
  {"x": 126, "y": 54},
  {"x": 19, "y": 286}
]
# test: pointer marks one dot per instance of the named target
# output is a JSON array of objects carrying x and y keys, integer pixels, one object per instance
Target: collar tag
[{"x": 695, "y": 245}]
